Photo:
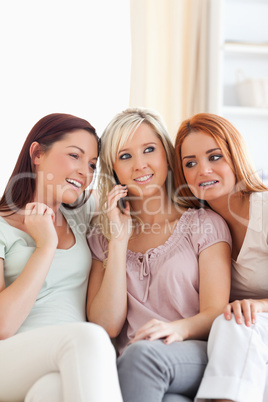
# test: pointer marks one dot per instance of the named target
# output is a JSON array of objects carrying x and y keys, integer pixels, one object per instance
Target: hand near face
[
  {"x": 39, "y": 222},
  {"x": 120, "y": 223},
  {"x": 246, "y": 309},
  {"x": 155, "y": 329}
]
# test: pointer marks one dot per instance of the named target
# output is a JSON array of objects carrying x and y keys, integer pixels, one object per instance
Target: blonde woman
[
  {"x": 212, "y": 166},
  {"x": 160, "y": 271}
]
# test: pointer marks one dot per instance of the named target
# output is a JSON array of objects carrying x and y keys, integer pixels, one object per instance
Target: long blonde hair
[
  {"x": 115, "y": 135},
  {"x": 233, "y": 148}
]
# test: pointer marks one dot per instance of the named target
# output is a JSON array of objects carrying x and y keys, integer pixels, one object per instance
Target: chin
[{"x": 70, "y": 197}]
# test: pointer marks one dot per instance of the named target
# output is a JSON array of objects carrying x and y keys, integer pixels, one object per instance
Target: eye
[
  {"x": 215, "y": 157},
  {"x": 149, "y": 149},
  {"x": 75, "y": 156},
  {"x": 92, "y": 166},
  {"x": 190, "y": 164},
  {"x": 125, "y": 156}
]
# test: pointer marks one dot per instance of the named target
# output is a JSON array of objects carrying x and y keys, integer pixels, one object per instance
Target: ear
[{"x": 35, "y": 153}]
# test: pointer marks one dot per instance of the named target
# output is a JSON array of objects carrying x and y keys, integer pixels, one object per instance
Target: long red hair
[{"x": 233, "y": 148}]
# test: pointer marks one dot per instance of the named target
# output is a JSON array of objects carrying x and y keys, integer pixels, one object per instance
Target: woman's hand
[
  {"x": 247, "y": 308},
  {"x": 155, "y": 329},
  {"x": 39, "y": 221},
  {"x": 120, "y": 223}
]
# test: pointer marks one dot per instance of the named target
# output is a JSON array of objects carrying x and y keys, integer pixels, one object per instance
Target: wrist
[
  {"x": 46, "y": 248},
  {"x": 118, "y": 244}
]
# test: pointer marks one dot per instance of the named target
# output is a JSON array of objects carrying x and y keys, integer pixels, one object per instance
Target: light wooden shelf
[
  {"x": 236, "y": 47},
  {"x": 245, "y": 111}
]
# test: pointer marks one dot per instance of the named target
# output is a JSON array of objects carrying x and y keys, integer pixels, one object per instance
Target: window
[{"x": 60, "y": 56}]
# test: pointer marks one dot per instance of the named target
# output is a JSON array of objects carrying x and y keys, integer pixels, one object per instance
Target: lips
[
  {"x": 208, "y": 183},
  {"x": 75, "y": 183},
  {"x": 143, "y": 178}
]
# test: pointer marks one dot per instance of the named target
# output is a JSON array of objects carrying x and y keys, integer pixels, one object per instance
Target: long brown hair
[
  {"x": 233, "y": 148},
  {"x": 48, "y": 130}
]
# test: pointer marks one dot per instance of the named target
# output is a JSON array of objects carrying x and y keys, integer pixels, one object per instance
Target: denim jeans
[{"x": 151, "y": 371}]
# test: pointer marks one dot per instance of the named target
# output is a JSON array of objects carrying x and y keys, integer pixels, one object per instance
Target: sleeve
[
  {"x": 2, "y": 249},
  {"x": 98, "y": 244},
  {"x": 3, "y": 243},
  {"x": 209, "y": 228}
]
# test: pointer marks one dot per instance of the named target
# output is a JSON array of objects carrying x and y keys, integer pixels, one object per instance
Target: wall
[{"x": 60, "y": 56}]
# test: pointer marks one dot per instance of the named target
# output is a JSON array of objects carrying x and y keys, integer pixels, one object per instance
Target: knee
[
  {"x": 224, "y": 332},
  {"x": 219, "y": 322},
  {"x": 139, "y": 355},
  {"x": 85, "y": 331},
  {"x": 138, "y": 350},
  {"x": 221, "y": 325},
  {"x": 92, "y": 336}
]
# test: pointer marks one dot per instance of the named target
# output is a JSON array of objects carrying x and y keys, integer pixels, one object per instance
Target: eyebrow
[
  {"x": 75, "y": 146},
  {"x": 143, "y": 145},
  {"x": 207, "y": 152}
]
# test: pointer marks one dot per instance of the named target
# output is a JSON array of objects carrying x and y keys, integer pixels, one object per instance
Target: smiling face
[
  {"x": 206, "y": 171},
  {"x": 141, "y": 163},
  {"x": 66, "y": 169}
]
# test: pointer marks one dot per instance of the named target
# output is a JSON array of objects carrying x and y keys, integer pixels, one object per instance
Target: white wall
[{"x": 60, "y": 56}]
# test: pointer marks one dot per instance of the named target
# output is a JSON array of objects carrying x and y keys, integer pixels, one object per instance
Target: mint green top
[{"x": 62, "y": 298}]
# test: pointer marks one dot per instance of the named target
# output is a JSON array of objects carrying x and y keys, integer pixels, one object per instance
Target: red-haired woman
[{"x": 213, "y": 170}]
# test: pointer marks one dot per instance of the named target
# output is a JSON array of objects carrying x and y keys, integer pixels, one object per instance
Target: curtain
[{"x": 169, "y": 57}]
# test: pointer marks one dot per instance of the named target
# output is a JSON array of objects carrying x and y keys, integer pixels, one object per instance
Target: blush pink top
[{"x": 163, "y": 283}]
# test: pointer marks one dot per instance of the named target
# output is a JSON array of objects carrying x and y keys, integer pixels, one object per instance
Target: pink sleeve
[
  {"x": 97, "y": 244},
  {"x": 210, "y": 228}
]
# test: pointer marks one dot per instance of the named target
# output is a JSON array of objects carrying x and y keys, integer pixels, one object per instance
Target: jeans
[{"x": 151, "y": 371}]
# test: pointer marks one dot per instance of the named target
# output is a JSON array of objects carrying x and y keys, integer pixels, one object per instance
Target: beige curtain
[{"x": 169, "y": 57}]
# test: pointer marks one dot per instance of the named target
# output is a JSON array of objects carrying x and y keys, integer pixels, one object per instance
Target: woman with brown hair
[
  {"x": 213, "y": 170},
  {"x": 47, "y": 352}
]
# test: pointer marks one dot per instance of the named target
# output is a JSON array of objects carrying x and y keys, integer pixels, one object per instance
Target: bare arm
[
  {"x": 107, "y": 290},
  {"x": 214, "y": 290},
  {"x": 17, "y": 300}
]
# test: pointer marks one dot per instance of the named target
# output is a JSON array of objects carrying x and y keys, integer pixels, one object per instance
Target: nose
[
  {"x": 83, "y": 168},
  {"x": 205, "y": 168},
  {"x": 140, "y": 162},
  {"x": 85, "y": 171}
]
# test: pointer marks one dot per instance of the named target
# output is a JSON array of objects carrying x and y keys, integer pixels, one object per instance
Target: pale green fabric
[{"x": 62, "y": 297}]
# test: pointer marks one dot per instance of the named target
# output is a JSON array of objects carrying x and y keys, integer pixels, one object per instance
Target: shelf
[
  {"x": 236, "y": 47},
  {"x": 242, "y": 111}
]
